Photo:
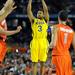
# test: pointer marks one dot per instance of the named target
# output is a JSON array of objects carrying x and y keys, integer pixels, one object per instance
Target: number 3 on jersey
[{"x": 39, "y": 28}]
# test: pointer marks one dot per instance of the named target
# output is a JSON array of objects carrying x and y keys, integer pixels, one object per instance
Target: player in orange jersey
[
  {"x": 3, "y": 35},
  {"x": 63, "y": 37}
]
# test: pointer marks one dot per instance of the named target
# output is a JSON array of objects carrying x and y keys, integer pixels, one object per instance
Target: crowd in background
[{"x": 18, "y": 62}]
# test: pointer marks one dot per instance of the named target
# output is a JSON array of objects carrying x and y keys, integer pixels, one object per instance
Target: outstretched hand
[{"x": 9, "y": 5}]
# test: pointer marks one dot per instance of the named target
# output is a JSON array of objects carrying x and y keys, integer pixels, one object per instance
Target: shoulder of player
[
  {"x": 45, "y": 20},
  {"x": 70, "y": 28}
]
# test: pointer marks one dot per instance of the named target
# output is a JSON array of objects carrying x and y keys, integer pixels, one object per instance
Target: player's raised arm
[
  {"x": 6, "y": 32},
  {"x": 54, "y": 37},
  {"x": 7, "y": 9},
  {"x": 45, "y": 10},
  {"x": 29, "y": 11}
]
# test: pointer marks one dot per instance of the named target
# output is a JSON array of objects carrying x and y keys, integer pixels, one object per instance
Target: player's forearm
[
  {"x": 4, "y": 14},
  {"x": 29, "y": 11},
  {"x": 44, "y": 5},
  {"x": 54, "y": 36},
  {"x": 9, "y": 32},
  {"x": 29, "y": 6},
  {"x": 2, "y": 11},
  {"x": 55, "y": 31},
  {"x": 53, "y": 41}
]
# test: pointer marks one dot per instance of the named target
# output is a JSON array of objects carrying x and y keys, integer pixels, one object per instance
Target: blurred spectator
[{"x": 28, "y": 69}]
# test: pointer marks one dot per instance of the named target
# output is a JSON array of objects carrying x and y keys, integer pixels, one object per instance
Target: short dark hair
[
  {"x": 40, "y": 9},
  {"x": 63, "y": 15}
]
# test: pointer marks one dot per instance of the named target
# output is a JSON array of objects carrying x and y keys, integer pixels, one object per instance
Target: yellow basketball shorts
[{"x": 39, "y": 50}]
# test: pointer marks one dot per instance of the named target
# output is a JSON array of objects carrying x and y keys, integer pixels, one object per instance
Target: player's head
[
  {"x": 63, "y": 15},
  {"x": 40, "y": 14}
]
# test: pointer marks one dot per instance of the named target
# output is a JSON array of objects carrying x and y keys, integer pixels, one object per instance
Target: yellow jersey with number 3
[{"x": 39, "y": 28}]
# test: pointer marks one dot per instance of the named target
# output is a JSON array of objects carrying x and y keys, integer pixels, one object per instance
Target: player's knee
[{"x": 42, "y": 63}]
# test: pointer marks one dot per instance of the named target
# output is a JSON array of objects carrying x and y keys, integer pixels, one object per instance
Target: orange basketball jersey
[{"x": 64, "y": 40}]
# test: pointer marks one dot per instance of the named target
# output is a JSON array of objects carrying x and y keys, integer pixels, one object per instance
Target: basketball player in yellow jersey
[{"x": 39, "y": 43}]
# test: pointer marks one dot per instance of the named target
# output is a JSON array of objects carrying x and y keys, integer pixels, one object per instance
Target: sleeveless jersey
[
  {"x": 64, "y": 40},
  {"x": 39, "y": 28}
]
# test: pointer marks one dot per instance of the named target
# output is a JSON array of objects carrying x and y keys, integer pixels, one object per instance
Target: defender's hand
[
  {"x": 9, "y": 2},
  {"x": 9, "y": 5},
  {"x": 19, "y": 28}
]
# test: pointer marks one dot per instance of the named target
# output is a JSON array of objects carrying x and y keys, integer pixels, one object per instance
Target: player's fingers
[
  {"x": 13, "y": 3},
  {"x": 14, "y": 7}
]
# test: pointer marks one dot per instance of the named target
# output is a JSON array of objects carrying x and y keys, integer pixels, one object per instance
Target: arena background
[{"x": 19, "y": 17}]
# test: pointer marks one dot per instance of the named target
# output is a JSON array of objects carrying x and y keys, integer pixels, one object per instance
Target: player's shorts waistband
[{"x": 39, "y": 38}]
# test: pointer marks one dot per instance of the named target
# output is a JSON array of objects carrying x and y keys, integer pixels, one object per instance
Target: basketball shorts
[
  {"x": 62, "y": 64},
  {"x": 39, "y": 50}
]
